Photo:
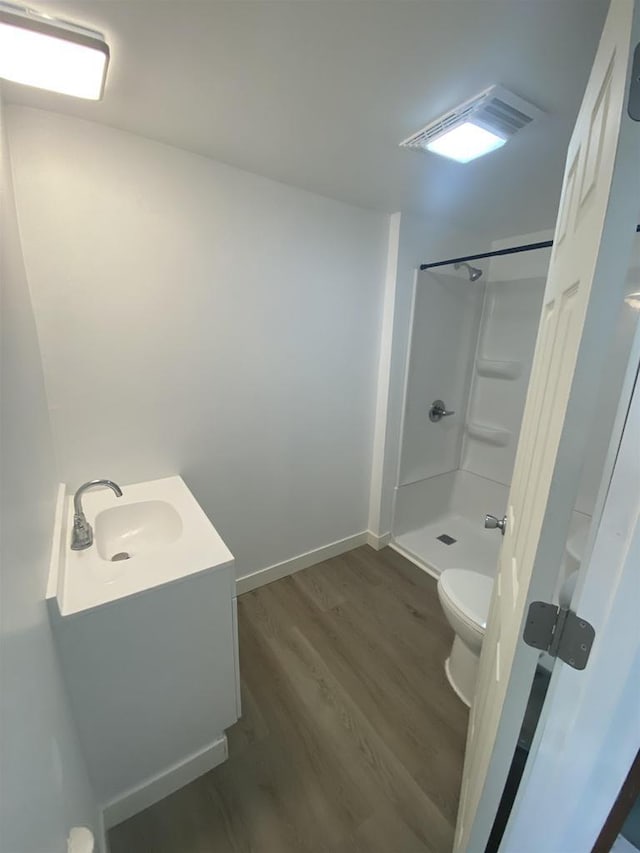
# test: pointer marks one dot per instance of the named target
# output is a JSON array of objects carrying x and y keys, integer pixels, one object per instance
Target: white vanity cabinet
[{"x": 152, "y": 676}]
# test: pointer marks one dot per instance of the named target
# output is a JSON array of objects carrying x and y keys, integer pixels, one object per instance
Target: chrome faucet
[{"x": 82, "y": 535}]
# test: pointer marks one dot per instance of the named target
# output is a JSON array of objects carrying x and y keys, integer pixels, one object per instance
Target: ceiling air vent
[{"x": 482, "y": 124}]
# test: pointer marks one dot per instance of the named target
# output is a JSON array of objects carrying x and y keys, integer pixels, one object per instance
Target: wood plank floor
[{"x": 351, "y": 739}]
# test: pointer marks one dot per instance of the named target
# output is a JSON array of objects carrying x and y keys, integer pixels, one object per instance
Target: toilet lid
[{"x": 469, "y": 592}]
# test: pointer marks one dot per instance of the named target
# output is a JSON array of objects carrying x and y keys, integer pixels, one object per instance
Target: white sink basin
[
  {"x": 135, "y": 528},
  {"x": 155, "y": 534}
]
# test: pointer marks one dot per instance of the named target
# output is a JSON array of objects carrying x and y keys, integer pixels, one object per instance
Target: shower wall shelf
[
  {"x": 498, "y": 369},
  {"x": 490, "y": 435}
]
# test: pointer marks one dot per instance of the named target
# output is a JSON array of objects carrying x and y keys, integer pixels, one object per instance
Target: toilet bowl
[
  {"x": 80, "y": 840},
  {"x": 465, "y": 597}
]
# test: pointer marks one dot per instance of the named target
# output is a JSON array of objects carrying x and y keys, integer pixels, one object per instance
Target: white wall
[
  {"x": 412, "y": 241},
  {"x": 44, "y": 784},
  {"x": 197, "y": 319},
  {"x": 443, "y": 343}
]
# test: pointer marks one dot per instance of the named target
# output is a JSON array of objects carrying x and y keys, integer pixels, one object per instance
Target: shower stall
[{"x": 473, "y": 334}]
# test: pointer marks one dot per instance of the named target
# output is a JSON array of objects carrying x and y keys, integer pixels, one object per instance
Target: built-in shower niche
[
  {"x": 497, "y": 436},
  {"x": 497, "y": 369},
  {"x": 506, "y": 343},
  {"x": 501, "y": 370}
]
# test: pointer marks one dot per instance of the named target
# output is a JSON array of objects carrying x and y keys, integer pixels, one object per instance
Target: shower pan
[{"x": 470, "y": 351}]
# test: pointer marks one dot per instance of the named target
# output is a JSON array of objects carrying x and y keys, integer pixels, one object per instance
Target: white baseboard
[
  {"x": 378, "y": 541},
  {"x": 102, "y": 845},
  {"x": 303, "y": 561},
  {"x": 162, "y": 784},
  {"x": 413, "y": 558}
]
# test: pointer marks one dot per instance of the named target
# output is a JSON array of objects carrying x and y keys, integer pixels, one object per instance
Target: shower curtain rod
[{"x": 514, "y": 250}]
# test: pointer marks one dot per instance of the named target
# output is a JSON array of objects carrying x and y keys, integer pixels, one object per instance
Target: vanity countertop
[{"x": 158, "y": 523}]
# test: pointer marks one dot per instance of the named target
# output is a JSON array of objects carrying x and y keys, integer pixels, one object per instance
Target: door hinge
[{"x": 558, "y": 631}]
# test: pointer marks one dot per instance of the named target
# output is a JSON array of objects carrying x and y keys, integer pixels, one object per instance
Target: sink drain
[{"x": 121, "y": 555}]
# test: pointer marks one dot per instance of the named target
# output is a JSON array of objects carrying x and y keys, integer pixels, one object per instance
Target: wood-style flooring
[{"x": 351, "y": 739}]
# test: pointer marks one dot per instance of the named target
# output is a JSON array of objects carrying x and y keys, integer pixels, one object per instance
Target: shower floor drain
[
  {"x": 121, "y": 555},
  {"x": 448, "y": 540}
]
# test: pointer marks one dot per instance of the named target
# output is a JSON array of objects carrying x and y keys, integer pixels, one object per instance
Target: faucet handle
[
  {"x": 82, "y": 533},
  {"x": 438, "y": 411}
]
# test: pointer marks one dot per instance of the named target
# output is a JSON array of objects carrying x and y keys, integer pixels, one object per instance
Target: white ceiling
[{"x": 318, "y": 93}]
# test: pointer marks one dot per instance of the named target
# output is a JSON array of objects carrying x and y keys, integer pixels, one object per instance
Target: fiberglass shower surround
[{"x": 472, "y": 341}]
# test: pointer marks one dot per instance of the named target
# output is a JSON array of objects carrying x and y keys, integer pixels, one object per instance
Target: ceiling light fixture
[
  {"x": 465, "y": 142},
  {"x": 478, "y": 126},
  {"x": 47, "y": 53}
]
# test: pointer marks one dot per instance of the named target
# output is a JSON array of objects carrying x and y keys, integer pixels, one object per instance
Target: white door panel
[
  {"x": 595, "y": 228},
  {"x": 589, "y": 731}
]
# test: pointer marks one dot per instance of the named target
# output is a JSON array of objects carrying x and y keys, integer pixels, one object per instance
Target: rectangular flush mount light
[
  {"x": 465, "y": 142},
  {"x": 479, "y": 126},
  {"x": 51, "y": 54}
]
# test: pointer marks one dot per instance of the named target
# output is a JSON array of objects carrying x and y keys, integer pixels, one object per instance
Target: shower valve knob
[
  {"x": 493, "y": 523},
  {"x": 438, "y": 411}
]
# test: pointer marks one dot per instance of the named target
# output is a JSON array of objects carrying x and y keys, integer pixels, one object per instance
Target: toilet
[
  {"x": 80, "y": 840},
  {"x": 465, "y": 597}
]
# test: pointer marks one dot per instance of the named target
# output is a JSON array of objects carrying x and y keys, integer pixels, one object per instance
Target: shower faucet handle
[{"x": 438, "y": 411}]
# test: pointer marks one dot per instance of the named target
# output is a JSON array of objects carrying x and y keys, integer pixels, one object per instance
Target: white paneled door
[{"x": 594, "y": 232}]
